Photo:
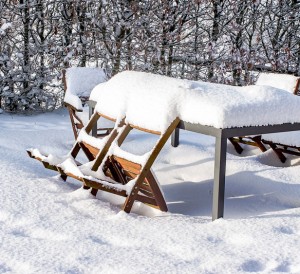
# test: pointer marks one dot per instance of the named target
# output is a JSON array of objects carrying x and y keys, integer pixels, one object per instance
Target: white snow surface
[
  {"x": 286, "y": 82},
  {"x": 154, "y": 101},
  {"x": 51, "y": 226},
  {"x": 80, "y": 82},
  {"x": 282, "y": 81}
]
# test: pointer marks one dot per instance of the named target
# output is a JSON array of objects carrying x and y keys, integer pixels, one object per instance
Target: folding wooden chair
[
  {"x": 120, "y": 171},
  {"x": 76, "y": 121},
  {"x": 89, "y": 149},
  {"x": 286, "y": 82},
  {"x": 123, "y": 172}
]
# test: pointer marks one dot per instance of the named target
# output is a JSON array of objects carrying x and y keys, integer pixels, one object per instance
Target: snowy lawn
[{"x": 49, "y": 226}]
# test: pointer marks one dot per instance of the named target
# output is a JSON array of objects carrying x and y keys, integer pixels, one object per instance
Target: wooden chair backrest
[
  {"x": 90, "y": 150},
  {"x": 128, "y": 170}
]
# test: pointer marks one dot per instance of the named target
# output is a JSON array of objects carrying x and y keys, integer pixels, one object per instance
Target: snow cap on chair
[
  {"x": 282, "y": 81},
  {"x": 80, "y": 82}
]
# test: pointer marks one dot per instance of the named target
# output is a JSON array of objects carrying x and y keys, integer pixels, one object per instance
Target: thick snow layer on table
[
  {"x": 147, "y": 100},
  {"x": 153, "y": 101},
  {"x": 282, "y": 81},
  {"x": 51, "y": 226},
  {"x": 80, "y": 82}
]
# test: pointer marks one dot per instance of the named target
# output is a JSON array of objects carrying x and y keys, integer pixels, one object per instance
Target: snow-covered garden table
[
  {"x": 218, "y": 110},
  {"x": 221, "y": 136}
]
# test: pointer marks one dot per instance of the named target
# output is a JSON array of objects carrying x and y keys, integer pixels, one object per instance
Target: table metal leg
[
  {"x": 219, "y": 178},
  {"x": 175, "y": 138},
  {"x": 94, "y": 129}
]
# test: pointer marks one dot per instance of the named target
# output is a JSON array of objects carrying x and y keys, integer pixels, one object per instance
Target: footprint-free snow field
[{"x": 51, "y": 226}]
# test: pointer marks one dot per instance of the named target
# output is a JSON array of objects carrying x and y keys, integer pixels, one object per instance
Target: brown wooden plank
[
  {"x": 107, "y": 117},
  {"x": 93, "y": 150},
  {"x": 147, "y": 200},
  {"x": 74, "y": 176},
  {"x": 146, "y": 130},
  {"x": 103, "y": 187},
  {"x": 127, "y": 165}
]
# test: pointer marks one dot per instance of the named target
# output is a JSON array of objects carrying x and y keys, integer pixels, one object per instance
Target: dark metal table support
[
  {"x": 92, "y": 105},
  {"x": 175, "y": 138},
  {"x": 219, "y": 178},
  {"x": 221, "y": 136}
]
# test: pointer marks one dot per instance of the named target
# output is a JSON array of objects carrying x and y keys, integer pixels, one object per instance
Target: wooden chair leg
[
  {"x": 280, "y": 155},
  {"x": 94, "y": 192},
  {"x": 236, "y": 145},
  {"x": 257, "y": 140},
  {"x": 157, "y": 192},
  {"x": 64, "y": 177},
  {"x": 130, "y": 199}
]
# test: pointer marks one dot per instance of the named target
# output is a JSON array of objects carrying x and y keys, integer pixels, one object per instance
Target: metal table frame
[{"x": 221, "y": 136}]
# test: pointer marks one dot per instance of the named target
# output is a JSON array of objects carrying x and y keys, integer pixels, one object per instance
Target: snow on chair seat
[
  {"x": 78, "y": 84},
  {"x": 285, "y": 82}
]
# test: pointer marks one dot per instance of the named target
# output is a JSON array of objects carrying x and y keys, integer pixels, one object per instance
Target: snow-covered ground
[{"x": 49, "y": 226}]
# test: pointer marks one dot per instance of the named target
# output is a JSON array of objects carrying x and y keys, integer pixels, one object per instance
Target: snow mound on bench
[
  {"x": 154, "y": 101},
  {"x": 80, "y": 82}
]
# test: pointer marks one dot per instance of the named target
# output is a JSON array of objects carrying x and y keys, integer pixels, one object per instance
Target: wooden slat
[
  {"x": 127, "y": 165},
  {"x": 129, "y": 174},
  {"x": 146, "y": 200},
  {"x": 146, "y": 192},
  {"x": 93, "y": 150},
  {"x": 107, "y": 117},
  {"x": 73, "y": 176},
  {"x": 97, "y": 185},
  {"x": 146, "y": 130}
]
